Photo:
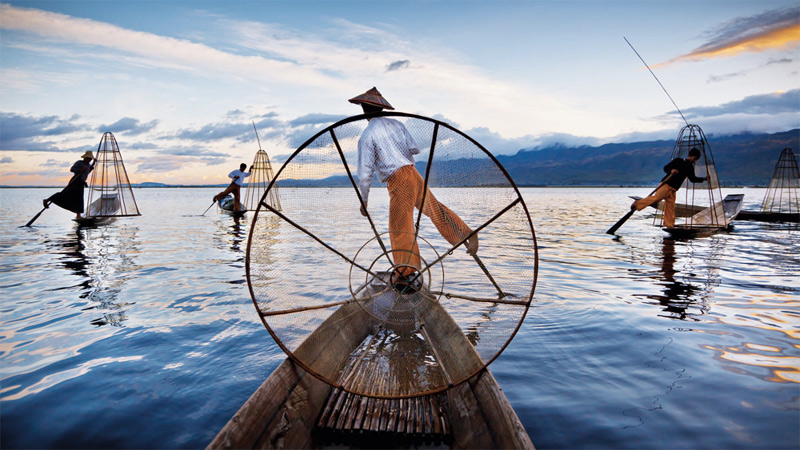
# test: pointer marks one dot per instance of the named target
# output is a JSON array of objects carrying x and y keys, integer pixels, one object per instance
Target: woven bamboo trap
[
  {"x": 781, "y": 196},
  {"x": 704, "y": 199},
  {"x": 110, "y": 192}
]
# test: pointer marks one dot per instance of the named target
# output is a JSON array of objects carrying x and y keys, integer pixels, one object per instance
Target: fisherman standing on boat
[
  {"x": 386, "y": 147},
  {"x": 237, "y": 177},
  {"x": 71, "y": 197},
  {"x": 676, "y": 171}
]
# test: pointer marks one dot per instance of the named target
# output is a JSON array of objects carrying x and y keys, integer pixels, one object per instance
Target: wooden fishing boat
[
  {"x": 226, "y": 206},
  {"x": 293, "y": 409},
  {"x": 681, "y": 210},
  {"x": 102, "y": 211},
  {"x": 710, "y": 220},
  {"x": 376, "y": 359},
  {"x": 769, "y": 216}
]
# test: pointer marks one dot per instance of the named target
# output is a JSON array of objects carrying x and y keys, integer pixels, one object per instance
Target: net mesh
[
  {"x": 110, "y": 192},
  {"x": 781, "y": 196},
  {"x": 703, "y": 200},
  {"x": 387, "y": 302},
  {"x": 261, "y": 174}
]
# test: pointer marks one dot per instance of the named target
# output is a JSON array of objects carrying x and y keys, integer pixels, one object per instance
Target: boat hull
[{"x": 294, "y": 409}]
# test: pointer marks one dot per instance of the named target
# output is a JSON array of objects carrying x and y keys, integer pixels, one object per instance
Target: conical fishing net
[
  {"x": 387, "y": 302},
  {"x": 704, "y": 198},
  {"x": 110, "y": 193},
  {"x": 781, "y": 197},
  {"x": 261, "y": 174}
]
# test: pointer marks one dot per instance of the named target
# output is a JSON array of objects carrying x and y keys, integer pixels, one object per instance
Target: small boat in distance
[{"x": 226, "y": 205}]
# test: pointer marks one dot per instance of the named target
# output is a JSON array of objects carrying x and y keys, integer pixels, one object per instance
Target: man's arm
[{"x": 366, "y": 169}]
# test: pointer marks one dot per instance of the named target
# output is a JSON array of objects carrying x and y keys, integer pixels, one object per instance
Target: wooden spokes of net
[{"x": 326, "y": 280}]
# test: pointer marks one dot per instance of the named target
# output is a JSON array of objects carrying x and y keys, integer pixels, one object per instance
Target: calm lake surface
[{"x": 142, "y": 333}]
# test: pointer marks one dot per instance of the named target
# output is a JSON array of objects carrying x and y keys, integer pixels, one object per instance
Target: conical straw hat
[
  {"x": 88, "y": 154},
  {"x": 372, "y": 97}
]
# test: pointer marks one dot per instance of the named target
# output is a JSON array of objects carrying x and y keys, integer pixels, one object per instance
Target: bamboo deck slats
[{"x": 421, "y": 417}]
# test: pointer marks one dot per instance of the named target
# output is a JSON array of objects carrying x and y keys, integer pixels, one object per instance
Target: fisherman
[
  {"x": 71, "y": 197},
  {"x": 237, "y": 177},
  {"x": 386, "y": 147},
  {"x": 676, "y": 171}
]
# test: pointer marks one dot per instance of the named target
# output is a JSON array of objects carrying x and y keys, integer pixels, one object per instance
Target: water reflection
[
  {"x": 676, "y": 296},
  {"x": 232, "y": 232},
  {"x": 103, "y": 259}
]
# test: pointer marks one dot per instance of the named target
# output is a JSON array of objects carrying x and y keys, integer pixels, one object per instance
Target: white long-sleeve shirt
[
  {"x": 384, "y": 146},
  {"x": 240, "y": 174}
]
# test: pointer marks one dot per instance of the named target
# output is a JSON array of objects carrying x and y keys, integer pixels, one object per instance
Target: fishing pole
[
  {"x": 657, "y": 80},
  {"x": 259, "y": 140}
]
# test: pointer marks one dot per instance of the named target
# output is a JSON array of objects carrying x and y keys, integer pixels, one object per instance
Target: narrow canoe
[{"x": 294, "y": 409}]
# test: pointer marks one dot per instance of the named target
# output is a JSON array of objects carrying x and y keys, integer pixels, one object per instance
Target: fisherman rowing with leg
[
  {"x": 71, "y": 197},
  {"x": 237, "y": 177},
  {"x": 386, "y": 147},
  {"x": 676, "y": 171}
]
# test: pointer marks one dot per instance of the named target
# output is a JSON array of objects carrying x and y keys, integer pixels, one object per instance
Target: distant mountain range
[{"x": 742, "y": 160}]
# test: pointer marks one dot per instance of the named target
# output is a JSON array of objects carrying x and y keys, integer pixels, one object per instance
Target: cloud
[
  {"x": 6, "y": 160},
  {"x": 773, "y": 30},
  {"x": 776, "y": 103},
  {"x": 130, "y": 125},
  {"x": 316, "y": 119},
  {"x": 55, "y": 163},
  {"x": 25, "y": 133},
  {"x": 397, "y": 65},
  {"x": 152, "y": 50}
]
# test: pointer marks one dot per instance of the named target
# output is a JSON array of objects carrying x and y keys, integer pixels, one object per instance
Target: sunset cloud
[{"x": 772, "y": 30}]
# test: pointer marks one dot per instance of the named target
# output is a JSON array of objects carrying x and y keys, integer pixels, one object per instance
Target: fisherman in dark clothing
[
  {"x": 676, "y": 171},
  {"x": 71, "y": 197}
]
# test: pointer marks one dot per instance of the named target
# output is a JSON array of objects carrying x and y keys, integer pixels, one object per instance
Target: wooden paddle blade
[
  {"x": 619, "y": 223},
  {"x": 35, "y": 217}
]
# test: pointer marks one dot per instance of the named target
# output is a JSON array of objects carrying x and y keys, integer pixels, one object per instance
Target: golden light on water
[{"x": 784, "y": 369}]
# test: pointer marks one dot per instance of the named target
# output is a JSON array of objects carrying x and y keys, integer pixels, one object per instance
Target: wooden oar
[
  {"x": 488, "y": 275},
  {"x": 627, "y": 216},
  {"x": 35, "y": 217},
  {"x": 209, "y": 207}
]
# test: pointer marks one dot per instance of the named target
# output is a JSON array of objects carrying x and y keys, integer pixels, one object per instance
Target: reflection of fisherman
[
  {"x": 386, "y": 147},
  {"x": 71, "y": 197},
  {"x": 676, "y": 171},
  {"x": 237, "y": 177}
]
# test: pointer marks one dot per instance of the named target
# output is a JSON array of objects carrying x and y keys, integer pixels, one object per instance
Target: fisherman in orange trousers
[
  {"x": 387, "y": 148},
  {"x": 676, "y": 172}
]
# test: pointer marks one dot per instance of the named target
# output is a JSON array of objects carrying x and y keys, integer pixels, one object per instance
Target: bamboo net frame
[
  {"x": 322, "y": 272},
  {"x": 781, "y": 196},
  {"x": 257, "y": 183},
  {"x": 110, "y": 192},
  {"x": 705, "y": 196}
]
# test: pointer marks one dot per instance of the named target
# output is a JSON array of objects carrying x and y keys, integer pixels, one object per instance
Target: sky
[{"x": 180, "y": 83}]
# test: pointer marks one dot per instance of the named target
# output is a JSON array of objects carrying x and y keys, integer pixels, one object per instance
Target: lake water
[{"x": 142, "y": 333}]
